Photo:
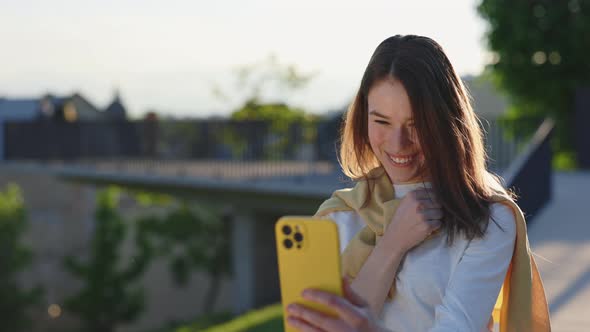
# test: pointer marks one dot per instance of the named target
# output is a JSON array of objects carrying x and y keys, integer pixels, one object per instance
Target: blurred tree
[
  {"x": 108, "y": 296},
  {"x": 265, "y": 80},
  {"x": 265, "y": 86},
  {"x": 289, "y": 127},
  {"x": 14, "y": 258},
  {"x": 178, "y": 138},
  {"x": 193, "y": 238},
  {"x": 539, "y": 57}
]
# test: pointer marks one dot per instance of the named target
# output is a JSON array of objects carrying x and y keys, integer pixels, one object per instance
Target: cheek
[
  {"x": 418, "y": 147},
  {"x": 414, "y": 141},
  {"x": 374, "y": 136}
]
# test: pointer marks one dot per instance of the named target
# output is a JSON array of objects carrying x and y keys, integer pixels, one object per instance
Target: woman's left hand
[{"x": 353, "y": 313}]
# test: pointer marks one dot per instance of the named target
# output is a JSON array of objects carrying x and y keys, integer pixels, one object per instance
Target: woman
[{"x": 428, "y": 235}]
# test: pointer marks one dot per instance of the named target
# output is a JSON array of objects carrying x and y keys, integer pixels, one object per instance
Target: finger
[
  {"x": 314, "y": 318},
  {"x": 302, "y": 325},
  {"x": 427, "y": 203},
  {"x": 432, "y": 214},
  {"x": 343, "y": 307},
  {"x": 426, "y": 195},
  {"x": 433, "y": 224},
  {"x": 423, "y": 193},
  {"x": 351, "y": 295}
]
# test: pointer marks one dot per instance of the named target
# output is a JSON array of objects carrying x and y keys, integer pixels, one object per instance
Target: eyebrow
[{"x": 375, "y": 113}]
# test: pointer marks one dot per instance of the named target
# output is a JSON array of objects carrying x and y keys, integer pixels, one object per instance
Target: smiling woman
[
  {"x": 391, "y": 132},
  {"x": 428, "y": 234}
]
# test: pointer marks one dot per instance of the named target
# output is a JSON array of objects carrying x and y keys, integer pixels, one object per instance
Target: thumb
[{"x": 351, "y": 295}]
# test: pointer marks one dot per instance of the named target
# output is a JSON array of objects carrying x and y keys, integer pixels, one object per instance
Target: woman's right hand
[{"x": 417, "y": 216}]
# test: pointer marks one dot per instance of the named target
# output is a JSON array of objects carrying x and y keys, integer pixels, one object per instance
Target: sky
[{"x": 168, "y": 55}]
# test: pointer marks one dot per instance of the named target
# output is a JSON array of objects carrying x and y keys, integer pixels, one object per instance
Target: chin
[{"x": 405, "y": 177}]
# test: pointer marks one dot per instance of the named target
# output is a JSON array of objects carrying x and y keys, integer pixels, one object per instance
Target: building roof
[
  {"x": 116, "y": 110},
  {"x": 24, "y": 109},
  {"x": 16, "y": 109}
]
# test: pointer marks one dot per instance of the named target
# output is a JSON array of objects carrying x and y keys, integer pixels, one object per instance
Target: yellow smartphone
[{"x": 308, "y": 252}]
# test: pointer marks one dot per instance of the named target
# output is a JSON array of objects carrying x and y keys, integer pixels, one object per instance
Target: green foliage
[
  {"x": 14, "y": 258},
  {"x": 177, "y": 138},
  {"x": 109, "y": 295},
  {"x": 149, "y": 199},
  {"x": 264, "y": 87},
  {"x": 565, "y": 161},
  {"x": 193, "y": 238},
  {"x": 284, "y": 123},
  {"x": 260, "y": 80},
  {"x": 190, "y": 236},
  {"x": 265, "y": 78},
  {"x": 279, "y": 115},
  {"x": 540, "y": 56}
]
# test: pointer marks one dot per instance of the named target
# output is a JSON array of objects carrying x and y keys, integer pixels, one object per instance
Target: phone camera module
[
  {"x": 288, "y": 243},
  {"x": 298, "y": 237},
  {"x": 287, "y": 230}
]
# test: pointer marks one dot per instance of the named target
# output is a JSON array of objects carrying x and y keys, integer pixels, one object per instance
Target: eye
[{"x": 382, "y": 122}]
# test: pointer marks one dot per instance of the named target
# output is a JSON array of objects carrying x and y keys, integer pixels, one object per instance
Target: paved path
[{"x": 561, "y": 235}]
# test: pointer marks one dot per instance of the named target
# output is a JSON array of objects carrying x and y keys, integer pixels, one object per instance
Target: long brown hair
[{"x": 448, "y": 131}]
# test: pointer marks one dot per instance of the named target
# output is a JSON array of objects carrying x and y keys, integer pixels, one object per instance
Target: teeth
[{"x": 400, "y": 160}]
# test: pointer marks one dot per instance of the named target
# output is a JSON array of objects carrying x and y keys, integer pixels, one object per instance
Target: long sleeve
[{"x": 475, "y": 283}]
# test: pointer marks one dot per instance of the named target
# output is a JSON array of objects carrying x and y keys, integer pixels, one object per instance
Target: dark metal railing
[
  {"x": 162, "y": 140},
  {"x": 222, "y": 149},
  {"x": 529, "y": 175},
  {"x": 214, "y": 148},
  {"x": 506, "y": 138}
]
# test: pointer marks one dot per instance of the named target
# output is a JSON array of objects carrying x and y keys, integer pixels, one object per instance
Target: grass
[
  {"x": 267, "y": 319},
  {"x": 197, "y": 324}
]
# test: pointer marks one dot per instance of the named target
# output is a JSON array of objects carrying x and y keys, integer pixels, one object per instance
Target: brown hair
[{"x": 448, "y": 131}]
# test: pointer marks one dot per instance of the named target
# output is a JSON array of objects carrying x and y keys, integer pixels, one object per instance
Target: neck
[{"x": 415, "y": 181}]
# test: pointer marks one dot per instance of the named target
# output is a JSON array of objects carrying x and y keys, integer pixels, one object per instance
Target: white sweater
[{"x": 441, "y": 288}]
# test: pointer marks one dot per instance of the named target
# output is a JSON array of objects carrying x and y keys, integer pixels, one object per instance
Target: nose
[{"x": 399, "y": 139}]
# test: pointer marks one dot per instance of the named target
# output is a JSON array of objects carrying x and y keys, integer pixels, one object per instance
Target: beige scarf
[{"x": 521, "y": 305}]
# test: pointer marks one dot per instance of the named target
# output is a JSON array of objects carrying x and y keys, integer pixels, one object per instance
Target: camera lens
[
  {"x": 298, "y": 237},
  {"x": 288, "y": 243},
  {"x": 286, "y": 230}
]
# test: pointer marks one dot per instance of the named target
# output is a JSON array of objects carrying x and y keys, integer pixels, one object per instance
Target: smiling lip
[{"x": 402, "y": 160}]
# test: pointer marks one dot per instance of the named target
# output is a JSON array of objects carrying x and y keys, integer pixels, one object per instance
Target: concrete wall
[{"x": 61, "y": 223}]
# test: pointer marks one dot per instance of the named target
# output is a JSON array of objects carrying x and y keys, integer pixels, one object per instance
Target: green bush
[
  {"x": 192, "y": 237},
  {"x": 110, "y": 294},
  {"x": 14, "y": 258}
]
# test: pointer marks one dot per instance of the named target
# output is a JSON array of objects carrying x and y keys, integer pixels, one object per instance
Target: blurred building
[
  {"x": 64, "y": 127},
  {"x": 487, "y": 101},
  {"x": 70, "y": 108},
  {"x": 116, "y": 111}
]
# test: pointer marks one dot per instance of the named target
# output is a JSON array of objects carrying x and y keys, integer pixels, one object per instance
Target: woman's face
[{"x": 391, "y": 131}]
